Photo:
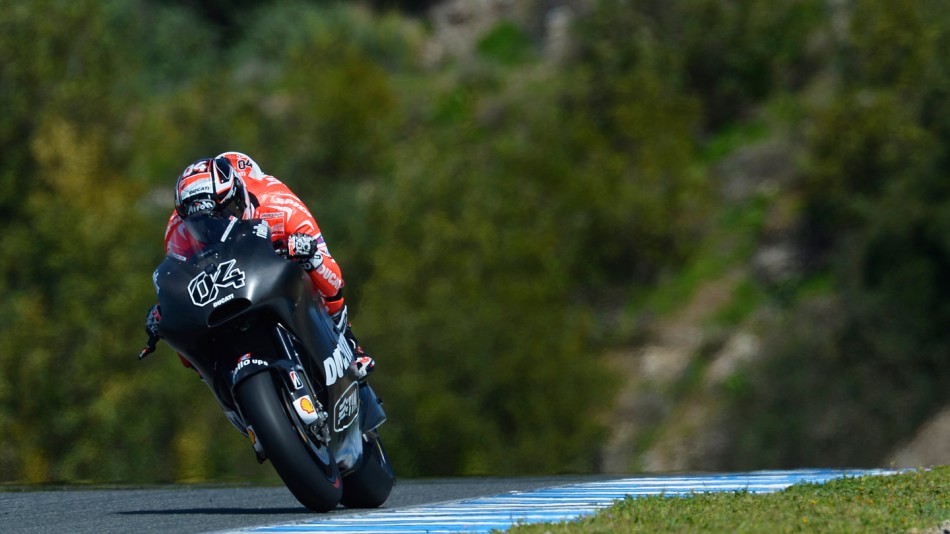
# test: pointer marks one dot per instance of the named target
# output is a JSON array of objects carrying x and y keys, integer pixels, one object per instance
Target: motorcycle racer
[{"x": 233, "y": 185}]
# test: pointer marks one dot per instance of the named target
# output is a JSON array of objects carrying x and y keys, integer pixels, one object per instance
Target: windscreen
[{"x": 197, "y": 233}]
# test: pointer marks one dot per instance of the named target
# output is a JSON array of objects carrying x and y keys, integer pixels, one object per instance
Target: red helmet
[{"x": 210, "y": 186}]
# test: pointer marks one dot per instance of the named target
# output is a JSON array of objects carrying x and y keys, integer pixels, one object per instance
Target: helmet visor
[{"x": 196, "y": 194}]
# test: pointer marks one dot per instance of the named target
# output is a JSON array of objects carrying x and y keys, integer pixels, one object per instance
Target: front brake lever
[{"x": 149, "y": 347}]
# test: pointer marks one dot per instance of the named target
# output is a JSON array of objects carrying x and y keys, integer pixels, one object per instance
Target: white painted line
[{"x": 563, "y": 503}]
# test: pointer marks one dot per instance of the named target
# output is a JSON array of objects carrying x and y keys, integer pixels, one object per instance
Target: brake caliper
[{"x": 309, "y": 410}]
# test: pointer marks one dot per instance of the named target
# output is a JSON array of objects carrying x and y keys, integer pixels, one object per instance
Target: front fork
[
  {"x": 302, "y": 392},
  {"x": 311, "y": 415}
]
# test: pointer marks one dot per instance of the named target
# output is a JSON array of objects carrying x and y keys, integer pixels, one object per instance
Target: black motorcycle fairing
[
  {"x": 230, "y": 294},
  {"x": 372, "y": 414},
  {"x": 202, "y": 294}
]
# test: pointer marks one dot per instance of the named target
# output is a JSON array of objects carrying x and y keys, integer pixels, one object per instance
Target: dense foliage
[
  {"x": 854, "y": 372},
  {"x": 486, "y": 209}
]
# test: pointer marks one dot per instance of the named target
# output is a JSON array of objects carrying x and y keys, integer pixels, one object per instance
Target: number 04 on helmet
[{"x": 210, "y": 186}]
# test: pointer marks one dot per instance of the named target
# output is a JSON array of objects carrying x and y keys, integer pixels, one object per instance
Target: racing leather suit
[{"x": 286, "y": 214}]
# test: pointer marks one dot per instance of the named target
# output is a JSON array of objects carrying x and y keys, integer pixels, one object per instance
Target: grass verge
[{"x": 915, "y": 501}]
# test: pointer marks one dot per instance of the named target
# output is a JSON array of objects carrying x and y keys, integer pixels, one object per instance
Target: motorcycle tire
[
  {"x": 370, "y": 484},
  {"x": 308, "y": 470}
]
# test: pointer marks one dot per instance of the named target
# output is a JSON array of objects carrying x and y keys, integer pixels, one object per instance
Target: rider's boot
[{"x": 362, "y": 361}]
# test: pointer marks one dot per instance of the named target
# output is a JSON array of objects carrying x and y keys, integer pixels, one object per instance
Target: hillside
[{"x": 702, "y": 333}]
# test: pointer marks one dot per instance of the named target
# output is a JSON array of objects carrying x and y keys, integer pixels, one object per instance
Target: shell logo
[{"x": 306, "y": 405}]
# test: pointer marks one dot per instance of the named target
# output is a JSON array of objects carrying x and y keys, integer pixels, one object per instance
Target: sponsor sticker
[
  {"x": 305, "y": 409},
  {"x": 246, "y": 360},
  {"x": 200, "y": 205},
  {"x": 196, "y": 186},
  {"x": 261, "y": 230},
  {"x": 347, "y": 408},
  {"x": 335, "y": 366},
  {"x": 295, "y": 380},
  {"x": 222, "y": 301},
  {"x": 329, "y": 275}
]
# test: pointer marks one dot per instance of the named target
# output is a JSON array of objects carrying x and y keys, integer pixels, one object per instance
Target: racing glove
[
  {"x": 303, "y": 249},
  {"x": 152, "y": 319}
]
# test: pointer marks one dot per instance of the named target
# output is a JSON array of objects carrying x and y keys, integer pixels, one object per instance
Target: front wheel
[
  {"x": 370, "y": 484},
  {"x": 308, "y": 469}
]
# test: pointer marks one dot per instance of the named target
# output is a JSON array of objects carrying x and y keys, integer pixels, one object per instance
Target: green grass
[{"x": 913, "y": 501}]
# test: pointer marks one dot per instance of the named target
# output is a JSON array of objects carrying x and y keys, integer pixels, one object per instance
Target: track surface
[
  {"x": 445, "y": 505},
  {"x": 191, "y": 509}
]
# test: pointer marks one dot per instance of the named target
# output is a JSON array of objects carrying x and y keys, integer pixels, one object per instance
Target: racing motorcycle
[{"x": 249, "y": 322}]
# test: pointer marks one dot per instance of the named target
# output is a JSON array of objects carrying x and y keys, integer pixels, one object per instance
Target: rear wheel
[
  {"x": 370, "y": 484},
  {"x": 307, "y": 468}
]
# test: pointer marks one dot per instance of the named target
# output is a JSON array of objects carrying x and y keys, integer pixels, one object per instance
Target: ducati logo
[{"x": 204, "y": 287}]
